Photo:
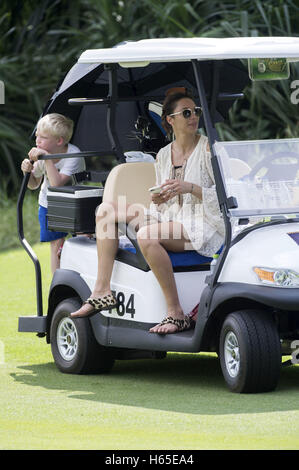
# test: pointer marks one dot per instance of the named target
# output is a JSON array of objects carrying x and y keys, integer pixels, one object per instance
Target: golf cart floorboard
[{"x": 141, "y": 338}]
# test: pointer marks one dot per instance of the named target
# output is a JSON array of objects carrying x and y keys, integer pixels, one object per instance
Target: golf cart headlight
[{"x": 277, "y": 277}]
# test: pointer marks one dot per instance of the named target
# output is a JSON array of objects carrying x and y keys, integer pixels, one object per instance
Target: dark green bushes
[{"x": 40, "y": 40}]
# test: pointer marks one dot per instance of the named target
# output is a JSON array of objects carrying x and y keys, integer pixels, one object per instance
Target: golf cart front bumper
[{"x": 281, "y": 298}]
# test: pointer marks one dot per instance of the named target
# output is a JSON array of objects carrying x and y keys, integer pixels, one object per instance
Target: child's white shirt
[{"x": 66, "y": 166}]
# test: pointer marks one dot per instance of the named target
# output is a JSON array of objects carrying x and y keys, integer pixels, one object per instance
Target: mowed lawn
[{"x": 177, "y": 403}]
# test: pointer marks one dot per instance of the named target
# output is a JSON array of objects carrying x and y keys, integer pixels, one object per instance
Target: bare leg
[
  {"x": 154, "y": 250},
  {"x": 108, "y": 215},
  {"x": 54, "y": 250},
  {"x": 107, "y": 246}
]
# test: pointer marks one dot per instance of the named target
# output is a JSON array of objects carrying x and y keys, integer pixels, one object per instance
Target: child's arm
[
  {"x": 28, "y": 167},
  {"x": 55, "y": 178}
]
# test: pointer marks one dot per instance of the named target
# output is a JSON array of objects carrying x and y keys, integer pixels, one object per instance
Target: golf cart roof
[
  {"x": 145, "y": 70},
  {"x": 184, "y": 49}
]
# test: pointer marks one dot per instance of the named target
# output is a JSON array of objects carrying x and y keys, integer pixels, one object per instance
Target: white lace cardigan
[{"x": 202, "y": 220}]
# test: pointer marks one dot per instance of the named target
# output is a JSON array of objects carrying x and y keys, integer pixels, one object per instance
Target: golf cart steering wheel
[{"x": 274, "y": 170}]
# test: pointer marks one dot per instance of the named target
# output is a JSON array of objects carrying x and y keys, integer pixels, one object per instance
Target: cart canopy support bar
[
  {"x": 99, "y": 101},
  {"x": 27, "y": 247},
  {"x": 213, "y": 137}
]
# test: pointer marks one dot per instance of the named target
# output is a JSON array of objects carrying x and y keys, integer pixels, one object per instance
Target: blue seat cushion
[{"x": 185, "y": 258}]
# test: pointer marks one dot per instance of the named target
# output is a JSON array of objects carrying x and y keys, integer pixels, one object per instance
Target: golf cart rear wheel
[
  {"x": 74, "y": 347},
  {"x": 250, "y": 352}
]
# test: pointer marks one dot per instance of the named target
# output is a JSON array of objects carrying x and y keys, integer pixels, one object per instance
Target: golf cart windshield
[{"x": 260, "y": 177}]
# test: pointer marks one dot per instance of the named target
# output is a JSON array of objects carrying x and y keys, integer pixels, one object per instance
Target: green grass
[
  {"x": 177, "y": 403},
  {"x": 8, "y": 216}
]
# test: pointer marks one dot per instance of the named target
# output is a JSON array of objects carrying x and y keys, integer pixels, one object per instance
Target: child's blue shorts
[{"x": 47, "y": 235}]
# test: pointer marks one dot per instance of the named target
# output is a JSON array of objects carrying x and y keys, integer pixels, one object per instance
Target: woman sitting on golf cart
[{"x": 183, "y": 215}]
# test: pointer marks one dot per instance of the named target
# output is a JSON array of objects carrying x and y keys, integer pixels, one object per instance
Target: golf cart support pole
[
  {"x": 27, "y": 247},
  {"x": 38, "y": 323},
  {"x": 212, "y": 137},
  {"x": 111, "y": 113}
]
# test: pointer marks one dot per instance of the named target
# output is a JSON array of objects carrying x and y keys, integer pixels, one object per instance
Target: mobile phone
[{"x": 155, "y": 189}]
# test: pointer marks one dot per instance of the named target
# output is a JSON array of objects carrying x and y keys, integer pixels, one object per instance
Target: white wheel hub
[
  {"x": 231, "y": 354},
  {"x": 67, "y": 339}
]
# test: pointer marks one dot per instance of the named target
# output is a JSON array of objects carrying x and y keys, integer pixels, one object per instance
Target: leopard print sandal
[
  {"x": 182, "y": 325},
  {"x": 101, "y": 303}
]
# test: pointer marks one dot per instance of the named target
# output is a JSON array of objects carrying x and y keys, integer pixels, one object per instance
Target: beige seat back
[{"x": 131, "y": 180}]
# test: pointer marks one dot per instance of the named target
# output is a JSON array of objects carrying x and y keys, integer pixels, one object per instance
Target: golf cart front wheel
[
  {"x": 74, "y": 347},
  {"x": 250, "y": 352}
]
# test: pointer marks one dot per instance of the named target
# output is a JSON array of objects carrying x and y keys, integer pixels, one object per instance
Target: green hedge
[{"x": 41, "y": 40}]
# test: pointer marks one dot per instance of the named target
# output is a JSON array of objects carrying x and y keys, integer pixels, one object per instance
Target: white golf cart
[{"x": 249, "y": 302}]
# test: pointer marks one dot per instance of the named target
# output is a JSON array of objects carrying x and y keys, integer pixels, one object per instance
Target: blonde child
[{"x": 53, "y": 134}]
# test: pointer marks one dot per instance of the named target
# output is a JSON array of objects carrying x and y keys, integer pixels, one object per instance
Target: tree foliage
[{"x": 41, "y": 40}]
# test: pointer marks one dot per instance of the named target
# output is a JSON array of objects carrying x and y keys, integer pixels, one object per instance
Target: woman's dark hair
[{"x": 169, "y": 106}]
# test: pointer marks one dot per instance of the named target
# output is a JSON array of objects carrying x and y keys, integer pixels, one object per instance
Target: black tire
[
  {"x": 250, "y": 352},
  {"x": 74, "y": 347}
]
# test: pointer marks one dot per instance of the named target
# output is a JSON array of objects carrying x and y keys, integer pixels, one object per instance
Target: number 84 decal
[{"x": 125, "y": 306}]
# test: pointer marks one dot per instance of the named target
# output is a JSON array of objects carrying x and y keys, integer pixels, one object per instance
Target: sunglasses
[{"x": 187, "y": 113}]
